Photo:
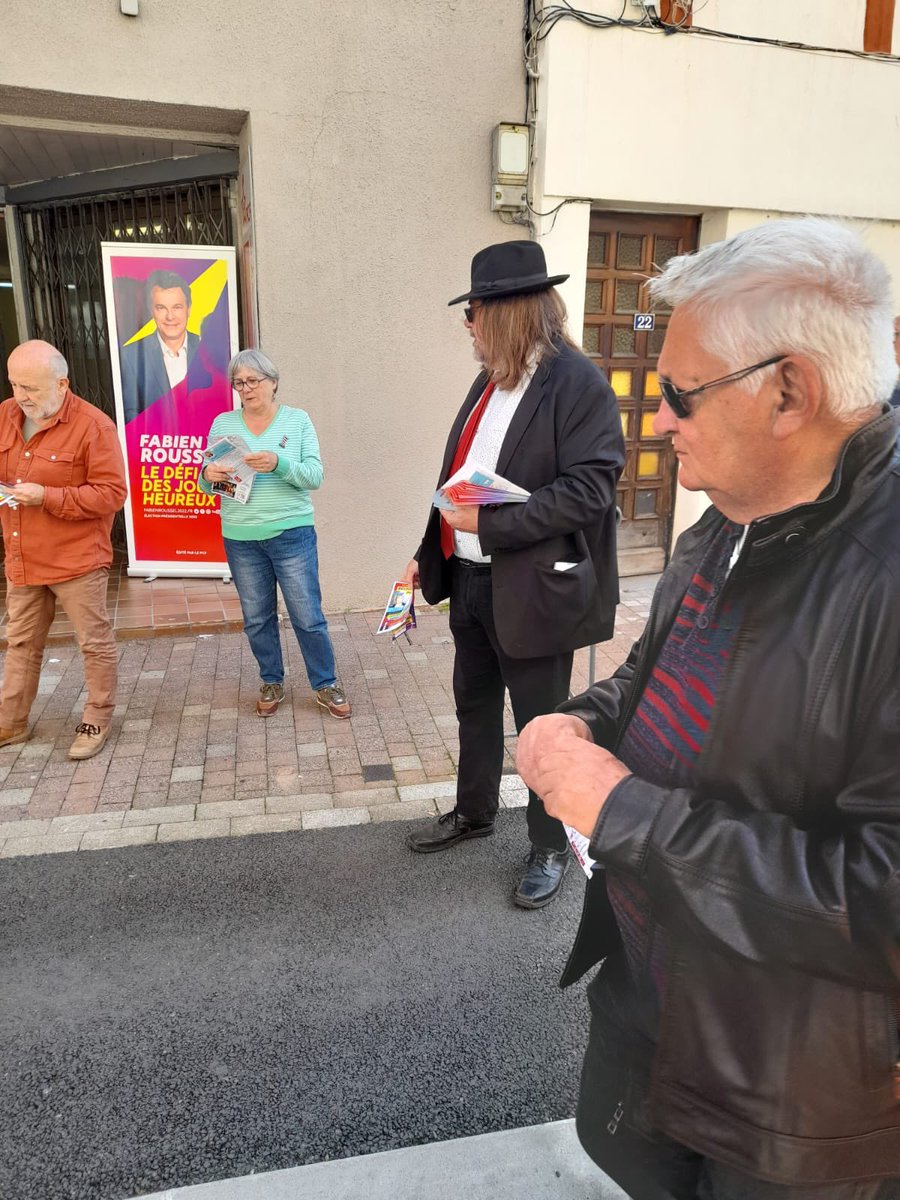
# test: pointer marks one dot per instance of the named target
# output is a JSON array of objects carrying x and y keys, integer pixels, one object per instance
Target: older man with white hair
[
  {"x": 60, "y": 461},
  {"x": 738, "y": 778}
]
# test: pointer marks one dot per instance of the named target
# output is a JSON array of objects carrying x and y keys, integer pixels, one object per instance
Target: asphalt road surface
[{"x": 172, "y": 1014}]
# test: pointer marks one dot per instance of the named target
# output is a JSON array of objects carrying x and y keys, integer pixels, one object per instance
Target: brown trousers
[{"x": 30, "y": 612}]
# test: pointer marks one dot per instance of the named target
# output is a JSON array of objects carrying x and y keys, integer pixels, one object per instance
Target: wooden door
[{"x": 624, "y": 250}]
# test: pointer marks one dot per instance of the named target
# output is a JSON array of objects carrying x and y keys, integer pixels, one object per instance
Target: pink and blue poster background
[{"x": 173, "y": 527}]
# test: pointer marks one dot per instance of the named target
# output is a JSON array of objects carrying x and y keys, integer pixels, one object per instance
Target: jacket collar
[
  {"x": 866, "y": 458},
  {"x": 15, "y": 418},
  {"x": 527, "y": 407}
]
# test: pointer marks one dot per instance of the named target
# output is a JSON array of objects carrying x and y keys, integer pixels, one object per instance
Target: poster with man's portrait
[{"x": 172, "y": 315}]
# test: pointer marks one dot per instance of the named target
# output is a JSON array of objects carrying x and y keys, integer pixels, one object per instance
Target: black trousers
[{"x": 481, "y": 674}]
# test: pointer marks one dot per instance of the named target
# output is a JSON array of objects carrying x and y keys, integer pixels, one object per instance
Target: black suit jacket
[
  {"x": 564, "y": 445},
  {"x": 144, "y": 377}
]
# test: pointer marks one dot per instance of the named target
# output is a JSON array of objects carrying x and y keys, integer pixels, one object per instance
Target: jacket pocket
[
  {"x": 568, "y": 589},
  {"x": 777, "y": 1068},
  {"x": 7, "y": 443},
  {"x": 52, "y": 468},
  {"x": 879, "y": 1034}
]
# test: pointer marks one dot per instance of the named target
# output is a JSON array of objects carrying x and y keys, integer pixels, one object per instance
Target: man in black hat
[{"x": 528, "y": 583}]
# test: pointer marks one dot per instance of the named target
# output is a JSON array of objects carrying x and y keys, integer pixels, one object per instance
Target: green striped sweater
[{"x": 278, "y": 500}]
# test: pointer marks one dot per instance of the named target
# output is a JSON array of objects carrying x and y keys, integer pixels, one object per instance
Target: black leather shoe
[
  {"x": 446, "y": 831},
  {"x": 542, "y": 879}
]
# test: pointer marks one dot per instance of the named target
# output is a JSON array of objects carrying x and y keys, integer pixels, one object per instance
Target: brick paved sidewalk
[{"x": 188, "y": 757}]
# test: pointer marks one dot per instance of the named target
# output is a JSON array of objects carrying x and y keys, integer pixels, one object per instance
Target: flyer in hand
[
  {"x": 229, "y": 452},
  {"x": 5, "y": 497},
  {"x": 477, "y": 485},
  {"x": 580, "y": 849},
  {"x": 400, "y": 613}
]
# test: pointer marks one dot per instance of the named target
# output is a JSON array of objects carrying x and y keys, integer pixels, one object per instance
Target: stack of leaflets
[
  {"x": 5, "y": 497},
  {"x": 229, "y": 452},
  {"x": 477, "y": 485},
  {"x": 400, "y": 613}
]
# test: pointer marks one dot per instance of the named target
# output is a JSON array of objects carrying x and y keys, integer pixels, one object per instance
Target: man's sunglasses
[
  {"x": 470, "y": 311},
  {"x": 677, "y": 399}
]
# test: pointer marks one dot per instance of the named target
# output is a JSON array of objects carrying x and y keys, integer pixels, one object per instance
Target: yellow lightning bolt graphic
[{"x": 205, "y": 292}]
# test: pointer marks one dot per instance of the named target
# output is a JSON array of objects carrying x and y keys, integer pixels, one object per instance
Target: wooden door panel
[{"x": 624, "y": 251}]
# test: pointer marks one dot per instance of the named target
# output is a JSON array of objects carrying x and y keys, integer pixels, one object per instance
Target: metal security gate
[{"x": 60, "y": 246}]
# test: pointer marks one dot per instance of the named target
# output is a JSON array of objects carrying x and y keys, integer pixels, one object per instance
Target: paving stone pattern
[{"x": 188, "y": 757}]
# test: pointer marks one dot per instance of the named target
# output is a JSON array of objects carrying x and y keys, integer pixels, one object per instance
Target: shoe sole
[
  {"x": 270, "y": 713},
  {"x": 17, "y": 739},
  {"x": 524, "y": 902},
  {"x": 463, "y": 837},
  {"x": 337, "y": 716}
]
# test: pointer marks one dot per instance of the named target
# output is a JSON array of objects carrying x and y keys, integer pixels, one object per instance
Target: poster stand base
[{"x": 148, "y": 575}]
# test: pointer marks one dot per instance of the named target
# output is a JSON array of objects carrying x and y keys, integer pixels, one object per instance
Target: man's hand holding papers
[{"x": 477, "y": 485}]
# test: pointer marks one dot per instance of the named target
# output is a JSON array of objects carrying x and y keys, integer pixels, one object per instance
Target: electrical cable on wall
[{"x": 540, "y": 21}]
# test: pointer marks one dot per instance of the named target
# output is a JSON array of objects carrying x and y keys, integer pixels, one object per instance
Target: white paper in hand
[{"x": 581, "y": 849}]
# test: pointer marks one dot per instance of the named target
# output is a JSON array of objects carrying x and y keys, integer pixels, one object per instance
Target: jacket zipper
[{"x": 896, "y": 1071}]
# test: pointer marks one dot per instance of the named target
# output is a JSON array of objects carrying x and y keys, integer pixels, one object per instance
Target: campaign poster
[{"x": 172, "y": 319}]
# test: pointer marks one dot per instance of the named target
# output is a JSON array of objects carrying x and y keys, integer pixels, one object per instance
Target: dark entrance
[{"x": 63, "y": 276}]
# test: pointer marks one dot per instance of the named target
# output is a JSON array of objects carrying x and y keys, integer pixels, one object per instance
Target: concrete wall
[
  {"x": 734, "y": 133},
  {"x": 370, "y": 126}
]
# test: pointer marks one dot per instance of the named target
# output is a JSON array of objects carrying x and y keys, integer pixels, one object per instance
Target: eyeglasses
[
  {"x": 676, "y": 398},
  {"x": 470, "y": 312},
  {"x": 240, "y": 385}
]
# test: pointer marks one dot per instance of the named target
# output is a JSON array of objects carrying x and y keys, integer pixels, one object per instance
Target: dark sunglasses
[
  {"x": 470, "y": 312},
  {"x": 676, "y": 398}
]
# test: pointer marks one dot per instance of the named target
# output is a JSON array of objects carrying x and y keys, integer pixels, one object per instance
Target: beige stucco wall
[
  {"x": 370, "y": 126},
  {"x": 734, "y": 133},
  {"x": 685, "y": 120}
]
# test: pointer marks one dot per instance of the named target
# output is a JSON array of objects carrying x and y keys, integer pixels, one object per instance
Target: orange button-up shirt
[{"x": 78, "y": 461}]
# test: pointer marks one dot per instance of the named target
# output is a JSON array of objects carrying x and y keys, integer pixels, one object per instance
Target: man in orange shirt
[{"x": 61, "y": 463}]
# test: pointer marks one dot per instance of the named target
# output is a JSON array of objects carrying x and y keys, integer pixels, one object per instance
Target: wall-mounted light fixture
[{"x": 511, "y": 156}]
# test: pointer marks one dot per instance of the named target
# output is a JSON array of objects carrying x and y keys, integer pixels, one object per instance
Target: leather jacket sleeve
[
  {"x": 822, "y": 900},
  {"x": 603, "y": 705}
]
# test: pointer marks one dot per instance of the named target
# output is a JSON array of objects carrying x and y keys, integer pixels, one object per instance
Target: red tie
[{"x": 462, "y": 453}]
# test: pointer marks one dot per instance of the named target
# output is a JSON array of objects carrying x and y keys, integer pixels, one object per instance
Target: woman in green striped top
[{"x": 271, "y": 539}]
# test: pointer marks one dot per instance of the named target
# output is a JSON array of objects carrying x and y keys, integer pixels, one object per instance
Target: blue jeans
[{"x": 290, "y": 560}]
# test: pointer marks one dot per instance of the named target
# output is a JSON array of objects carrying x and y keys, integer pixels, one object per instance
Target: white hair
[
  {"x": 58, "y": 365},
  {"x": 254, "y": 360},
  {"x": 801, "y": 285}
]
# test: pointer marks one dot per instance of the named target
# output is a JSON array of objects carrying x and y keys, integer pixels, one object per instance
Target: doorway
[
  {"x": 624, "y": 340},
  {"x": 9, "y": 325}
]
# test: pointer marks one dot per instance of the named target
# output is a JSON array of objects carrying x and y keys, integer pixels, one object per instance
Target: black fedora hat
[{"x": 509, "y": 269}]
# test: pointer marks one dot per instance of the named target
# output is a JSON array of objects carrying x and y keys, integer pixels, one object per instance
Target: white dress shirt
[
  {"x": 485, "y": 450},
  {"x": 176, "y": 361}
]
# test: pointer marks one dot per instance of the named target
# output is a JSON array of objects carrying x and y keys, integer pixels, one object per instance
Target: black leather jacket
[{"x": 777, "y": 874}]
